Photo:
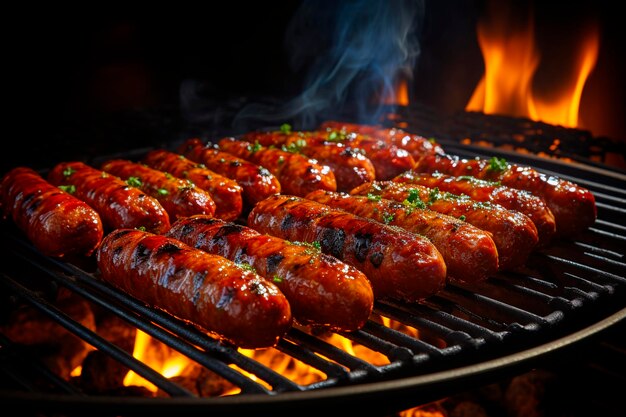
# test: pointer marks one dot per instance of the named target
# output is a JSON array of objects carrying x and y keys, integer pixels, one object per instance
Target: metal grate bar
[{"x": 94, "y": 339}]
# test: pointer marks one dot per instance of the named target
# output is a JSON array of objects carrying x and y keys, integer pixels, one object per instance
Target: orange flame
[{"x": 511, "y": 60}]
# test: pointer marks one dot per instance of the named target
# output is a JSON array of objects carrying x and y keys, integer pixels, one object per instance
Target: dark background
[{"x": 83, "y": 81}]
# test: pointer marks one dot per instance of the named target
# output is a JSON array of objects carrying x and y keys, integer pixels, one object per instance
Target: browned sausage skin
[
  {"x": 55, "y": 222},
  {"x": 350, "y": 166},
  {"x": 225, "y": 192},
  {"x": 297, "y": 174},
  {"x": 573, "y": 206},
  {"x": 322, "y": 291},
  {"x": 469, "y": 252},
  {"x": 210, "y": 291},
  {"x": 388, "y": 159},
  {"x": 179, "y": 197},
  {"x": 118, "y": 204},
  {"x": 399, "y": 264},
  {"x": 256, "y": 181},
  {"x": 482, "y": 190},
  {"x": 416, "y": 145},
  {"x": 514, "y": 234}
]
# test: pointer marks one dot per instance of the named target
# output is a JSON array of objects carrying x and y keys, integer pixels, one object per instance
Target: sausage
[
  {"x": 212, "y": 292},
  {"x": 225, "y": 192},
  {"x": 256, "y": 181},
  {"x": 180, "y": 198},
  {"x": 416, "y": 145},
  {"x": 297, "y": 174},
  {"x": 54, "y": 221},
  {"x": 514, "y": 234},
  {"x": 350, "y": 166},
  {"x": 118, "y": 204},
  {"x": 470, "y": 253},
  {"x": 399, "y": 264},
  {"x": 321, "y": 290},
  {"x": 482, "y": 190},
  {"x": 388, "y": 159},
  {"x": 574, "y": 207}
]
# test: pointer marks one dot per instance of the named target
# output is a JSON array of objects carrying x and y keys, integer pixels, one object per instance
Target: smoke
[{"x": 350, "y": 54}]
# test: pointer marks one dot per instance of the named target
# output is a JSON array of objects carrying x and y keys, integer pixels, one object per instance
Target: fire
[
  {"x": 511, "y": 60},
  {"x": 171, "y": 363}
]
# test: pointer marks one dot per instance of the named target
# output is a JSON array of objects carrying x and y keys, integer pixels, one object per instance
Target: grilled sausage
[
  {"x": 208, "y": 290},
  {"x": 118, "y": 204},
  {"x": 470, "y": 253},
  {"x": 322, "y": 291},
  {"x": 225, "y": 192},
  {"x": 350, "y": 166},
  {"x": 482, "y": 190},
  {"x": 256, "y": 181},
  {"x": 388, "y": 159},
  {"x": 416, "y": 145},
  {"x": 574, "y": 207},
  {"x": 514, "y": 234},
  {"x": 399, "y": 264},
  {"x": 297, "y": 174},
  {"x": 55, "y": 222},
  {"x": 180, "y": 198}
]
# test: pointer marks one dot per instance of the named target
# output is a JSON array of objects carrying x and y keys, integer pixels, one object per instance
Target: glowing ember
[{"x": 511, "y": 60}]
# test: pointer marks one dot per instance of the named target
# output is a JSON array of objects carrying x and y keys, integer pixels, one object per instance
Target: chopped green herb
[
  {"x": 295, "y": 147},
  {"x": 168, "y": 175},
  {"x": 134, "y": 182},
  {"x": 285, "y": 128},
  {"x": 254, "y": 147},
  {"x": 68, "y": 171},
  {"x": 277, "y": 279},
  {"x": 462, "y": 217},
  {"x": 433, "y": 195},
  {"x": 162, "y": 191},
  {"x": 71, "y": 189},
  {"x": 246, "y": 267},
  {"x": 281, "y": 160},
  {"x": 373, "y": 197},
  {"x": 497, "y": 164},
  {"x": 413, "y": 200},
  {"x": 388, "y": 217},
  {"x": 432, "y": 140},
  {"x": 141, "y": 228},
  {"x": 337, "y": 136}
]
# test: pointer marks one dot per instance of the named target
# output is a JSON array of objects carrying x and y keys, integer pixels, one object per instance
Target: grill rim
[
  {"x": 402, "y": 392},
  {"x": 428, "y": 385}
]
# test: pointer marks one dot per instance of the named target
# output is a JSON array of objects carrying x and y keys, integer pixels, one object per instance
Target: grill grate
[{"x": 563, "y": 289}]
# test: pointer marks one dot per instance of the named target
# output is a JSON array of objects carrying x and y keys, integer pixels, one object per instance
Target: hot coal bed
[{"x": 548, "y": 332}]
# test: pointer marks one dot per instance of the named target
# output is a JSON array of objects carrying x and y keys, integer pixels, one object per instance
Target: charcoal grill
[{"x": 565, "y": 295}]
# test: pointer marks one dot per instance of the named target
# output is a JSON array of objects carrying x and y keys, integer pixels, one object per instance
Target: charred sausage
[
  {"x": 256, "y": 181},
  {"x": 55, "y": 222},
  {"x": 118, "y": 204},
  {"x": 573, "y": 206},
  {"x": 231, "y": 302},
  {"x": 469, "y": 252},
  {"x": 225, "y": 192},
  {"x": 388, "y": 159},
  {"x": 297, "y": 174},
  {"x": 416, "y": 145},
  {"x": 322, "y": 290},
  {"x": 514, "y": 234},
  {"x": 482, "y": 190},
  {"x": 180, "y": 198},
  {"x": 350, "y": 166},
  {"x": 399, "y": 264}
]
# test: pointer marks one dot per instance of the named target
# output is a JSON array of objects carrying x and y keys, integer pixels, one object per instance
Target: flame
[
  {"x": 511, "y": 61},
  {"x": 400, "y": 94},
  {"x": 158, "y": 356}
]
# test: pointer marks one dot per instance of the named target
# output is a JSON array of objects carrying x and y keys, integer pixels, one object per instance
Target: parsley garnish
[
  {"x": 294, "y": 147},
  {"x": 246, "y": 267},
  {"x": 462, "y": 217},
  {"x": 373, "y": 197},
  {"x": 497, "y": 164},
  {"x": 285, "y": 128},
  {"x": 255, "y": 147},
  {"x": 162, "y": 191},
  {"x": 336, "y": 136},
  {"x": 433, "y": 195},
  {"x": 68, "y": 171},
  {"x": 277, "y": 279},
  {"x": 388, "y": 217},
  {"x": 134, "y": 182},
  {"x": 71, "y": 189},
  {"x": 413, "y": 199}
]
